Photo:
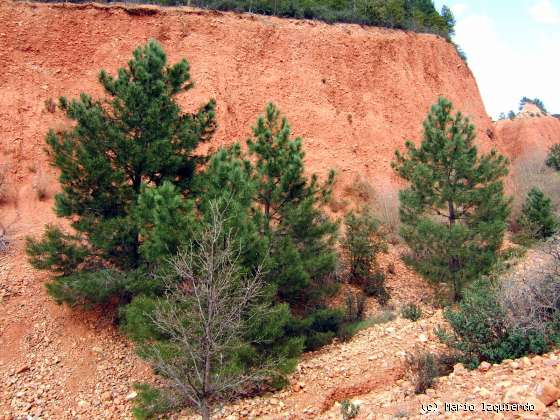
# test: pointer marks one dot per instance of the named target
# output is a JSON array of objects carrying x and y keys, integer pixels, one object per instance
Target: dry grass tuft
[
  {"x": 41, "y": 185},
  {"x": 50, "y": 105},
  {"x": 360, "y": 189},
  {"x": 531, "y": 297}
]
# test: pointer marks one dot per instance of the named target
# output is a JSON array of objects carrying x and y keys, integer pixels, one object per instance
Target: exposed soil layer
[
  {"x": 526, "y": 136},
  {"x": 353, "y": 93}
]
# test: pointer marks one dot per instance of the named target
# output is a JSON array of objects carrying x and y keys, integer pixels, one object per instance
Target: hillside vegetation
[
  {"x": 222, "y": 261},
  {"x": 415, "y": 15}
]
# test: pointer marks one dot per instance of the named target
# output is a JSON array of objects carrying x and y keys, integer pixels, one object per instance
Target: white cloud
[
  {"x": 545, "y": 12},
  {"x": 459, "y": 9},
  {"x": 505, "y": 71},
  {"x": 492, "y": 62}
]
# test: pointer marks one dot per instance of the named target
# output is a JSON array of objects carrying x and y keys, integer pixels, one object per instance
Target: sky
[{"x": 513, "y": 49}]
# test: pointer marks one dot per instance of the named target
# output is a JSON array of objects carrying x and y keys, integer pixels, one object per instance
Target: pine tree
[
  {"x": 553, "y": 158},
  {"x": 537, "y": 217},
  {"x": 136, "y": 135},
  {"x": 361, "y": 244},
  {"x": 449, "y": 20},
  {"x": 454, "y": 211},
  {"x": 288, "y": 210}
]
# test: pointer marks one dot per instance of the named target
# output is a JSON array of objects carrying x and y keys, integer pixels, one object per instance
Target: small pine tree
[
  {"x": 288, "y": 210},
  {"x": 537, "y": 217},
  {"x": 136, "y": 135},
  {"x": 361, "y": 244},
  {"x": 203, "y": 323},
  {"x": 454, "y": 212},
  {"x": 511, "y": 115},
  {"x": 553, "y": 158}
]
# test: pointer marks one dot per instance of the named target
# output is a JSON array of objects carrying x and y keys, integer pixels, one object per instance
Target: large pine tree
[
  {"x": 454, "y": 211},
  {"x": 137, "y": 134}
]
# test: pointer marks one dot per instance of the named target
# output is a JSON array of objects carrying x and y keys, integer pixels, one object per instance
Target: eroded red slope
[{"x": 353, "y": 93}]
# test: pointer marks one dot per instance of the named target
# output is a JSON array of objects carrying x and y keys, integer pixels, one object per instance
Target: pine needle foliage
[
  {"x": 454, "y": 211},
  {"x": 136, "y": 134}
]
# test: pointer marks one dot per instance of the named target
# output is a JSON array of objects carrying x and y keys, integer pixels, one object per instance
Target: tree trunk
[
  {"x": 454, "y": 268},
  {"x": 453, "y": 262},
  {"x": 204, "y": 410}
]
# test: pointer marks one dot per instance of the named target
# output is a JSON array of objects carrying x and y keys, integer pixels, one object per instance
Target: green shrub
[
  {"x": 317, "y": 339},
  {"x": 537, "y": 219},
  {"x": 348, "y": 330},
  {"x": 150, "y": 402},
  {"x": 411, "y": 311},
  {"x": 553, "y": 158},
  {"x": 318, "y": 328},
  {"x": 481, "y": 330},
  {"x": 348, "y": 409}
]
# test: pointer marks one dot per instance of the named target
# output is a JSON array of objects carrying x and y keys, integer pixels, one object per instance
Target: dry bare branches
[
  {"x": 205, "y": 317},
  {"x": 531, "y": 297}
]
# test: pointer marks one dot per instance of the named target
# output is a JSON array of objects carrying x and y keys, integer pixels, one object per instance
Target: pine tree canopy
[
  {"x": 454, "y": 210},
  {"x": 135, "y": 135},
  {"x": 537, "y": 216},
  {"x": 287, "y": 206}
]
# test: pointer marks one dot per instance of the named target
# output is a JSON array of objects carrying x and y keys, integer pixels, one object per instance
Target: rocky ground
[{"x": 59, "y": 363}]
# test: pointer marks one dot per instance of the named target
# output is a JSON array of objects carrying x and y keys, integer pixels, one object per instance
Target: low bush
[
  {"x": 374, "y": 285},
  {"x": 319, "y": 328},
  {"x": 348, "y": 330},
  {"x": 348, "y": 409},
  {"x": 537, "y": 219},
  {"x": 355, "y": 306},
  {"x": 411, "y": 311},
  {"x": 151, "y": 402},
  {"x": 426, "y": 367},
  {"x": 318, "y": 339},
  {"x": 482, "y": 327}
]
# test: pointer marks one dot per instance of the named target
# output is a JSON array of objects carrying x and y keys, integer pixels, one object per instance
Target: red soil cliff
[{"x": 354, "y": 93}]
